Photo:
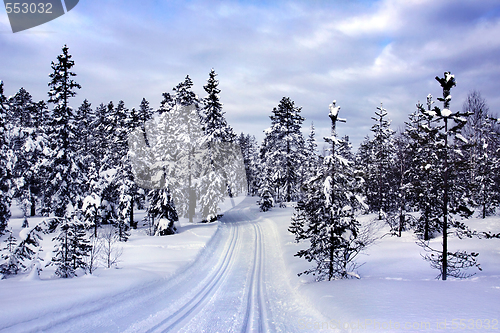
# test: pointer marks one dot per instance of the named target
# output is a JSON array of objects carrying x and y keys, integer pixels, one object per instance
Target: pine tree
[
  {"x": 453, "y": 199},
  {"x": 189, "y": 134},
  {"x": 282, "y": 150},
  {"x": 400, "y": 174},
  {"x": 383, "y": 199},
  {"x": 162, "y": 208},
  {"x": 266, "y": 201},
  {"x": 422, "y": 177},
  {"x": 311, "y": 155},
  {"x": 249, "y": 151},
  {"x": 5, "y": 164},
  {"x": 71, "y": 248},
  {"x": 62, "y": 180},
  {"x": 215, "y": 125},
  {"x": 482, "y": 156},
  {"x": 326, "y": 215},
  {"x": 29, "y": 248},
  {"x": 217, "y": 140},
  {"x": 11, "y": 265},
  {"x": 28, "y": 144},
  {"x": 82, "y": 143}
]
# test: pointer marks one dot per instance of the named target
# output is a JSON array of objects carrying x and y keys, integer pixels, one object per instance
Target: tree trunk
[
  {"x": 33, "y": 205},
  {"x": 445, "y": 203},
  {"x": 132, "y": 223}
]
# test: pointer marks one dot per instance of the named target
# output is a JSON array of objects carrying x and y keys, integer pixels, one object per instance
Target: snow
[
  {"x": 397, "y": 286},
  {"x": 446, "y": 113},
  {"x": 334, "y": 110},
  {"x": 461, "y": 138},
  {"x": 242, "y": 273},
  {"x": 145, "y": 259}
]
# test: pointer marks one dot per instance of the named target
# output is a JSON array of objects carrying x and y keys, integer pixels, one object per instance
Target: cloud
[{"x": 358, "y": 52}]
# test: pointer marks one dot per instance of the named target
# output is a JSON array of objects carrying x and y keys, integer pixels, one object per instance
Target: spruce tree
[
  {"x": 423, "y": 177},
  {"x": 71, "y": 248},
  {"x": 215, "y": 125},
  {"x": 10, "y": 265},
  {"x": 5, "y": 164},
  {"x": 29, "y": 248},
  {"x": 282, "y": 150},
  {"x": 383, "y": 158},
  {"x": 249, "y": 151},
  {"x": 28, "y": 144},
  {"x": 217, "y": 134},
  {"x": 453, "y": 199},
  {"x": 326, "y": 215},
  {"x": 483, "y": 160},
  {"x": 82, "y": 143},
  {"x": 62, "y": 170}
]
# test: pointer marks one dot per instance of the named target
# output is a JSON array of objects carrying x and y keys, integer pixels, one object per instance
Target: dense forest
[{"x": 87, "y": 169}]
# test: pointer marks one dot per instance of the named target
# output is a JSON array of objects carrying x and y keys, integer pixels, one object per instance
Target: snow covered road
[{"x": 237, "y": 284}]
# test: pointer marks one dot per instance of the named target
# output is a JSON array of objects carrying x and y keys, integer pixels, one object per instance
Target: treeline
[
  {"x": 83, "y": 168},
  {"x": 440, "y": 166}
]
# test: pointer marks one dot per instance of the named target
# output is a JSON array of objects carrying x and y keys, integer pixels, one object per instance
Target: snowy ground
[
  {"x": 144, "y": 260},
  {"x": 398, "y": 290},
  {"x": 241, "y": 275}
]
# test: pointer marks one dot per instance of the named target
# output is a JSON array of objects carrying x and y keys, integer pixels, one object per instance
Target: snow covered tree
[
  {"x": 282, "y": 150},
  {"x": 266, "y": 201},
  {"x": 423, "y": 176},
  {"x": 249, "y": 151},
  {"x": 71, "y": 249},
  {"x": 62, "y": 169},
  {"x": 82, "y": 143},
  {"x": 11, "y": 265},
  {"x": 162, "y": 209},
  {"x": 401, "y": 220},
  {"x": 218, "y": 139},
  {"x": 326, "y": 215},
  {"x": 311, "y": 156},
  {"x": 215, "y": 125},
  {"x": 383, "y": 158},
  {"x": 29, "y": 248},
  {"x": 453, "y": 200},
  {"x": 482, "y": 154},
  {"x": 188, "y": 133},
  {"x": 5, "y": 164},
  {"x": 28, "y": 144},
  {"x": 377, "y": 160}
]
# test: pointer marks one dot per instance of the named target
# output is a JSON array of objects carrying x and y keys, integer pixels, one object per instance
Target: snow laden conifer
[
  {"x": 82, "y": 143},
  {"x": 28, "y": 250},
  {"x": 481, "y": 133},
  {"x": 311, "y": 156},
  {"x": 383, "y": 157},
  {"x": 5, "y": 163},
  {"x": 249, "y": 151},
  {"x": 10, "y": 264},
  {"x": 282, "y": 150},
  {"x": 62, "y": 181},
  {"x": 453, "y": 200},
  {"x": 71, "y": 248},
  {"x": 266, "y": 201},
  {"x": 422, "y": 175},
  {"x": 326, "y": 216},
  {"x": 220, "y": 142},
  {"x": 28, "y": 143}
]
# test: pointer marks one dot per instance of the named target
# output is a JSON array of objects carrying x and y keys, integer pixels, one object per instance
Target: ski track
[{"x": 237, "y": 284}]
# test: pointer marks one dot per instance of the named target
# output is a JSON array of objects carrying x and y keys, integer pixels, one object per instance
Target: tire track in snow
[
  {"x": 256, "y": 316},
  {"x": 199, "y": 300}
]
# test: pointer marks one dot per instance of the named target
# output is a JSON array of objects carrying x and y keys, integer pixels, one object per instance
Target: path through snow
[{"x": 237, "y": 284}]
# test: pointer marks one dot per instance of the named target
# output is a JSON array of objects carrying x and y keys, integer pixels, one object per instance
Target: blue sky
[{"x": 360, "y": 53}]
